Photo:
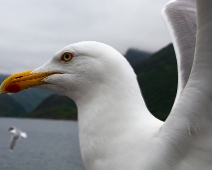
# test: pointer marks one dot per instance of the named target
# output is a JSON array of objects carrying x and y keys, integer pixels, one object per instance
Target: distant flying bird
[
  {"x": 17, "y": 133},
  {"x": 116, "y": 130}
]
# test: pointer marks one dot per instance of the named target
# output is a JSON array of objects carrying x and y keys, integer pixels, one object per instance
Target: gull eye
[{"x": 67, "y": 56}]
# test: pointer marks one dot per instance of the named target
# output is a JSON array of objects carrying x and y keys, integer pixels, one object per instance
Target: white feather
[
  {"x": 180, "y": 18},
  {"x": 23, "y": 135}
]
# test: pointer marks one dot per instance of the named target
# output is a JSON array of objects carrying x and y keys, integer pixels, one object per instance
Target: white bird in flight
[
  {"x": 17, "y": 133},
  {"x": 116, "y": 130}
]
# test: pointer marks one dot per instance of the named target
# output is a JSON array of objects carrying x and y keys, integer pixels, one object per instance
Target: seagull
[
  {"x": 17, "y": 133},
  {"x": 116, "y": 130}
]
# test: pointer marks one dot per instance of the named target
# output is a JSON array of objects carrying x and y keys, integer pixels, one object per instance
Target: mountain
[
  {"x": 135, "y": 56},
  {"x": 2, "y": 77},
  {"x": 32, "y": 97},
  {"x": 29, "y": 98},
  {"x": 55, "y": 107},
  {"x": 9, "y": 107},
  {"x": 157, "y": 77}
]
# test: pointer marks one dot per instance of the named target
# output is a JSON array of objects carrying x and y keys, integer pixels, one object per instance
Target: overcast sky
[{"x": 32, "y": 31}]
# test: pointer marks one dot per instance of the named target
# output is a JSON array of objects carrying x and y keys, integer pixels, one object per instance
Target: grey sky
[{"x": 32, "y": 31}]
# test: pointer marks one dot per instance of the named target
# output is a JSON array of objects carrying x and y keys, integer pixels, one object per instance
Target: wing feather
[
  {"x": 185, "y": 139},
  {"x": 180, "y": 18},
  {"x": 23, "y": 135},
  {"x": 13, "y": 141}
]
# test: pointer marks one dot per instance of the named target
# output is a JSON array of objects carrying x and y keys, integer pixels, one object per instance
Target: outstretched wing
[
  {"x": 13, "y": 141},
  {"x": 23, "y": 135},
  {"x": 185, "y": 139},
  {"x": 180, "y": 18}
]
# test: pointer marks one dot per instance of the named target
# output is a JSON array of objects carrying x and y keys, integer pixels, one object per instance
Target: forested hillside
[{"x": 157, "y": 77}]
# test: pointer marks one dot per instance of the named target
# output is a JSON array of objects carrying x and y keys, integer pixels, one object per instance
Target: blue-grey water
[{"x": 50, "y": 145}]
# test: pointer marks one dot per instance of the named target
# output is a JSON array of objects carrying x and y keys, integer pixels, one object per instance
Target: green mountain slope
[
  {"x": 31, "y": 98},
  {"x": 55, "y": 107},
  {"x": 157, "y": 77},
  {"x": 2, "y": 77},
  {"x": 135, "y": 56},
  {"x": 9, "y": 107}
]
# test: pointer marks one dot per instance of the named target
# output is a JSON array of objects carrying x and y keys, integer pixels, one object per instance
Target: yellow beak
[{"x": 23, "y": 80}]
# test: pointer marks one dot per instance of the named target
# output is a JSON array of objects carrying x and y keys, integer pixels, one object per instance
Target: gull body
[
  {"x": 116, "y": 130},
  {"x": 16, "y": 134}
]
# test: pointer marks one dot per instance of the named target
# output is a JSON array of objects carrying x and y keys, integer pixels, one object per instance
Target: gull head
[{"x": 12, "y": 130}]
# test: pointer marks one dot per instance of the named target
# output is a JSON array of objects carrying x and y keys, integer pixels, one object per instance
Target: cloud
[{"x": 32, "y": 31}]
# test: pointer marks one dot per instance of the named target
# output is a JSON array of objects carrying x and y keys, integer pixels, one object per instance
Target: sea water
[{"x": 50, "y": 145}]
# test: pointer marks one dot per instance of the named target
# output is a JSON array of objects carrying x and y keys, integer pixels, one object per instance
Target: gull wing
[
  {"x": 185, "y": 139},
  {"x": 23, "y": 135},
  {"x": 13, "y": 141},
  {"x": 180, "y": 18}
]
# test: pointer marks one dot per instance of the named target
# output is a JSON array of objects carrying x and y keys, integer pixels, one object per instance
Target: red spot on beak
[{"x": 14, "y": 88}]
